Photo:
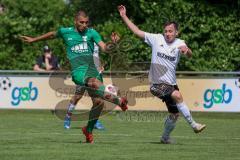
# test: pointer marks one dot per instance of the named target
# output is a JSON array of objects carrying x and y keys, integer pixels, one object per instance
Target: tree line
[{"x": 211, "y": 28}]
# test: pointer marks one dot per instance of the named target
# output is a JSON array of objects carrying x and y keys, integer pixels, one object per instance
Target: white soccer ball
[
  {"x": 5, "y": 83},
  {"x": 110, "y": 90}
]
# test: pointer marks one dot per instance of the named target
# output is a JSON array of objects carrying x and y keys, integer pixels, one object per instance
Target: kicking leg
[{"x": 97, "y": 89}]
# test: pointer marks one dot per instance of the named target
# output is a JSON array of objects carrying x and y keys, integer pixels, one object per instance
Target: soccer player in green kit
[{"x": 79, "y": 41}]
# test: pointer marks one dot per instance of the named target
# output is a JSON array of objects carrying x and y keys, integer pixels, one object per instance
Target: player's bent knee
[
  {"x": 98, "y": 102},
  {"x": 176, "y": 95},
  {"x": 94, "y": 83}
]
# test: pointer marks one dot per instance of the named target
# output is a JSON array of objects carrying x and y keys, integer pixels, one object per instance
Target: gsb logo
[
  {"x": 24, "y": 94},
  {"x": 217, "y": 96}
]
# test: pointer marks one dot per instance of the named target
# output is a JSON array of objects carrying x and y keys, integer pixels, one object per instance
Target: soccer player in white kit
[{"x": 166, "y": 51}]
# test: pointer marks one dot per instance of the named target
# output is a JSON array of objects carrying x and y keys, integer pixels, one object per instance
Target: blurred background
[{"x": 210, "y": 27}]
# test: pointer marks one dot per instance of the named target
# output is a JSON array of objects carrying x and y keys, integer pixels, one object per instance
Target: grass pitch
[{"x": 39, "y": 135}]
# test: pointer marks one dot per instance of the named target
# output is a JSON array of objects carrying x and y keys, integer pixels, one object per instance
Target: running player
[
  {"x": 79, "y": 42},
  {"x": 80, "y": 91},
  {"x": 166, "y": 50}
]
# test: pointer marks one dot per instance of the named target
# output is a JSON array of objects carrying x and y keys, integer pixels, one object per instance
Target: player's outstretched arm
[
  {"x": 48, "y": 35},
  {"x": 122, "y": 11}
]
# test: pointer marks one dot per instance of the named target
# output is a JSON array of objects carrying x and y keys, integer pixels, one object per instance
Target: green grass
[{"x": 37, "y": 135}]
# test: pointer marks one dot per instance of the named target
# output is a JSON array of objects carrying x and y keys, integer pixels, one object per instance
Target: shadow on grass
[{"x": 159, "y": 143}]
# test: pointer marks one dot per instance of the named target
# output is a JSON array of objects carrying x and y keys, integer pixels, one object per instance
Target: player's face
[
  {"x": 81, "y": 23},
  {"x": 170, "y": 33}
]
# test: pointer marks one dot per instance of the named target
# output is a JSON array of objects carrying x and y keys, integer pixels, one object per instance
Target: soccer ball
[
  {"x": 237, "y": 82},
  {"x": 5, "y": 83},
  {"x": 110, "y": 90}
]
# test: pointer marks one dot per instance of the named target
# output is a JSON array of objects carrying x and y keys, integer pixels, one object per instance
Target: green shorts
[{"x": 83, "y": 73}]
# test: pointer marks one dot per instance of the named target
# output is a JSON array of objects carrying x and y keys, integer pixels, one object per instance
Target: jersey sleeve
[
  {"x": 150, "y": 38},
  {"x": 96, "y": 36},
  {"x": 59, "y": 33},
  {"x": 181, "y": 43}
]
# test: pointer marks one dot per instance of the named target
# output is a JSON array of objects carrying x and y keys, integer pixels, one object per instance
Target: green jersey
[{"x": 79, "y": 46}]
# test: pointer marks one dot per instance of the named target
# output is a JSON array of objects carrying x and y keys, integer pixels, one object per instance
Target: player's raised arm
[
  {"x": 48, "y": 35},
  {"x": 129, "y": 23}
]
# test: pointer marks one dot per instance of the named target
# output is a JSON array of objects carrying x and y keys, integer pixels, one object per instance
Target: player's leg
[
  {"x": 169, "y": 126},
  {"x": 97, "y": 89},
  {"x": 94, "y": 114},
  {"x": 98, "y": 124},
  {"x": 170, "y": 121},
  {"x": 87, "y": 77},
  {"x": 184, "y": 110},
  {"x": 163, "y": 91},
  {"x": 71, "y": 106}
]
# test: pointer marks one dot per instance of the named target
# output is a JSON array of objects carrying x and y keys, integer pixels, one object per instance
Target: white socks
[
  {"x": 182, "y": 107},
  {"x": 170, "y": 121},
  {"x": 169, "y": 125},
  {"x": 71, "y": 107}
]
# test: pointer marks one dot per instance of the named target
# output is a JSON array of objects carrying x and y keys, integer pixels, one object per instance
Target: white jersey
[
  {"x": 96, "y": 56},
  {"x": 165, "y": 58}
]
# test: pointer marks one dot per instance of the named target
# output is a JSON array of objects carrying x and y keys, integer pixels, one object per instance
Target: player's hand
[
  {"x": 115, "y": 37},
  {"x": 27, "y": 39},
  {"x": 183, "y": 49},
  {"x": 122, "y": 10}
]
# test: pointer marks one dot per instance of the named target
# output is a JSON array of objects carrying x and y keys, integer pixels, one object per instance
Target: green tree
[
  {"x": 27, "y": 18},
  {"x": 211, "y": 28}
]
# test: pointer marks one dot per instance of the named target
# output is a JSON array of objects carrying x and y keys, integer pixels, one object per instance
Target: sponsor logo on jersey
[
  {"x": 82, "y": 47},
  {"x": 162, "y": 55}
]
